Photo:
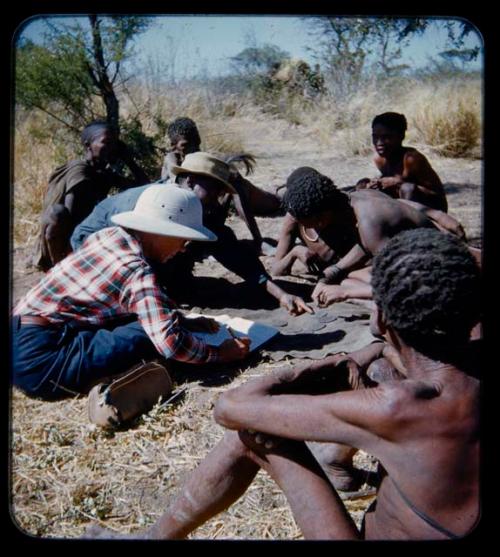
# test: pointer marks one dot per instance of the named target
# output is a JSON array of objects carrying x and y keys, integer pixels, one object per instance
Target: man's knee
[
  {"x": 234, "y": 443},
  {"x": 382, "y": 370},
  {"x": 408, "y": 190},
  {"x": 58, "y": 223}
]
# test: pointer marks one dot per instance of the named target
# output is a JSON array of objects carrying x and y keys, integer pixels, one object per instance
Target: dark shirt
[
  {"x": 89, "y": 184},
  {"x": 227, "y": 250}
]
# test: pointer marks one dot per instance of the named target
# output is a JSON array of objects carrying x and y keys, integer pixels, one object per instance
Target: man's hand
[
  {"x": 234, "y": 349},
  {"x": 327, "y": 294},
  {"x": 374, "y": 184},
  {"x": 362, "y": 184},
  {"x": 201, "y": 324},
  {"x": 266, "y": 249},
  {"x": 295, "y": 304},
  {"x": 336, "y": 373},
  {"x": 310, "y": 259},
  {"x": 388, "y": 183},
  {"x": 259, "y": 442}
]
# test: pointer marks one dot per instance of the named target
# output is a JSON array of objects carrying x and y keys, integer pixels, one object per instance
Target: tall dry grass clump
[
  {"x": 448, "y": 119},
  {"x": 444, "y": 117},
  {"x": 212, "y": 112},
  {"x": 39, "y": 146}
]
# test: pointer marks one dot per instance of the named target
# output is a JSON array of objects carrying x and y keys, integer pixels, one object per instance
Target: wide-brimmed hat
[
  {"x": 205, "y": 164},
  {"x": 167, "y": 210}
]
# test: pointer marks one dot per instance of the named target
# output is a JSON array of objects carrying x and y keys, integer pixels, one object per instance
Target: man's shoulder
[
  {"x": 122, "y": 201},
  {"x": 368, "y": 199},
  {"x": 412, "y": 155},
  {"x": 71, "y": 168},
  {"x": 398, "y": 396},
  {"x": 126, "y": 197}
]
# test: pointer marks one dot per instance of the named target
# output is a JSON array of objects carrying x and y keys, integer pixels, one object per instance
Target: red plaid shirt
[{"x": 107, "y": 278}]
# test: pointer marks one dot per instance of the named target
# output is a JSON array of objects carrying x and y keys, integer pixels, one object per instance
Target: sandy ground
[{"x": 187, "y": 432}]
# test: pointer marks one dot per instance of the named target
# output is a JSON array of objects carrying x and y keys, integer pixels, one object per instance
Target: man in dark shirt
[{"x": 77, "y": 186}]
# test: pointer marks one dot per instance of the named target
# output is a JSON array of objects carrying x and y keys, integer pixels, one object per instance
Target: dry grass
[
  {"x": 67, "y": 474},
  {"x": 36, "y": 154},
  {"x": 449, "y": 121},
  {"x": 443, "y": 118}
]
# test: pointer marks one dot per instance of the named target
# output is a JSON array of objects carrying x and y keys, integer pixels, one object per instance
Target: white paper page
[{"x": 258, "y": 332}]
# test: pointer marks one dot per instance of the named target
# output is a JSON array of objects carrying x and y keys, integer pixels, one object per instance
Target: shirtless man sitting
[
  {"x": 423, "y": 428},
  {"x": 343, "y": 231},
  {"x": 405, "y": 172}
]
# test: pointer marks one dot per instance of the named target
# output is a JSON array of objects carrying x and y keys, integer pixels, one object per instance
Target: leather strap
[{"x": 35, "y": 320}]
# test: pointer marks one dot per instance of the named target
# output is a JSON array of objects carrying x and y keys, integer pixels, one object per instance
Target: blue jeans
[{"x": 54, "y": 362}]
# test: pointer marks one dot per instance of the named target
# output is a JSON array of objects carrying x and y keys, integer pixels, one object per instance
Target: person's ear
[
  {"x": 87, "y": 150},
  {"x": 387, "y": 332},
  {"x": 381, "y": 322},
  {"x": 378, "y": 327}
]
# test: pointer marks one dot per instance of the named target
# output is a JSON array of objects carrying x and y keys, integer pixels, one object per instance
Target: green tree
[
  {"x": 77, "y": 75},
  {"x": 74, "y": 75},
  {"x": 347, "y": 47},
  {"x": 350, "y": 48}
]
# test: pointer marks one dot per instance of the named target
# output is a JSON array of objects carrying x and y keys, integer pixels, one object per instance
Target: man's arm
[
  {"x": 284, "y": 258},
  {"x": 442, "y": 220},
  {"x": 80, "y": 200},
  {"x": 356, "y": 418},
  {"x": 141, "y": 295},
  {"x": 98, "y": 219},
  {"x": 169, "y": 161},
  {"x": 245, "y": 263},
  {"x": 295, "y": 305},
  {"x": 242, "y": 204},
  {"x": 417, "y": 170},
  {"x": 354, "y": 259},
  {"x": 327, "y": 294}
]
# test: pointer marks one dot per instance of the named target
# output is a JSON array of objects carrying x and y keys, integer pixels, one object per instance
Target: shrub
[{"x": 451, "y": 128}]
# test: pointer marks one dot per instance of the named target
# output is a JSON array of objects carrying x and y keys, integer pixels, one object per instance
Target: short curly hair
[
  {"x": 427, "y": 284},
  {"x": 183, "y": 127},
  {"x": 392, "y": 120},
  {"x": 308, "y": 193}
]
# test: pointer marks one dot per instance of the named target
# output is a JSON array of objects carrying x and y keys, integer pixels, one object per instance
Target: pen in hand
[{"x": 236, "y": 337}]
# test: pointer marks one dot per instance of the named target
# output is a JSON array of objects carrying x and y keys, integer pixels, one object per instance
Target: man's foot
[
  {"x": 343, "y": 478},
  {"x": 359, "y": 494},
  {"x": 267, "y": 249}
]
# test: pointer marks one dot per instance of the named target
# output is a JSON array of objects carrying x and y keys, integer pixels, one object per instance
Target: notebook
[{"x": 259, "y": 333}]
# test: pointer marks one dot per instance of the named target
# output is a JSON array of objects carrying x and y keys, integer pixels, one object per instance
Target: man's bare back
[{"x": 445, "y": 405}]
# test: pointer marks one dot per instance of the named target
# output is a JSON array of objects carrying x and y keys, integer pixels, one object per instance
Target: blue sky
[{"x": 189, "y": 45}]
